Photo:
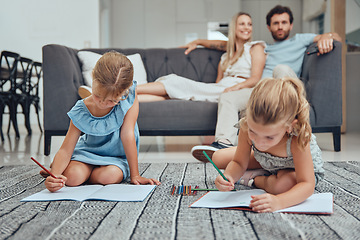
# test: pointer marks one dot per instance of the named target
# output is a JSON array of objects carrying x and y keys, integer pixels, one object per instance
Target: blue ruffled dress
[{"x": 101, "y": 143}]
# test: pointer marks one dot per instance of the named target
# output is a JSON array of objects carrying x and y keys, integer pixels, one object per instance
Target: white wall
[
  {"x": 352, "y": 19},
  {"x": 27, "y": 25},
  {"x": 164, "y": 23},
  {"x": 171, "y": 23},
  {"x": 352, "y": 16}
]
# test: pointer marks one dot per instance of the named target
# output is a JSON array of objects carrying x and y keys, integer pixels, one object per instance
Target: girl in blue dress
[{"x": 107, "y": 152}]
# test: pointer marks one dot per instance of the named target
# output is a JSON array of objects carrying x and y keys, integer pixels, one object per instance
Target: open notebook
[
  {"x": 111, "y": 192},
  {"x": 318, "y": 203}
]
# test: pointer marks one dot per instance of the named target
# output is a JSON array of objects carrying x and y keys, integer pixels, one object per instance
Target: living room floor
[{"x": 154, "y": 149}]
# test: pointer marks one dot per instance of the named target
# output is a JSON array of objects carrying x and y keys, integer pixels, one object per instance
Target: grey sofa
[{"x": 63, "y": 76}]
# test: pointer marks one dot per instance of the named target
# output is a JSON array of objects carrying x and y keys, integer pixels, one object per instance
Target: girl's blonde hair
[
  {"x": 280, "y": 100},
  {"x": 232, "y": 56},
  {"x": 114, "y": 72}
]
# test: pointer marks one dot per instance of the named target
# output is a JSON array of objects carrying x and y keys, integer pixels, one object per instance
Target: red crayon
[{"x": 43, "y": 167}]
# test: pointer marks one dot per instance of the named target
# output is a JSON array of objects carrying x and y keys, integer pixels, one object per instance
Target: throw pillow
[
  {"x": 89, "y": 59},
  {"x": 139, "y": 69}
]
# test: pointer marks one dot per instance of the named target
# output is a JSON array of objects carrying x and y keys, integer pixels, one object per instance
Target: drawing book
[
  {"x": 318, "y": 203},
  {"x": 111, "y": 192}
]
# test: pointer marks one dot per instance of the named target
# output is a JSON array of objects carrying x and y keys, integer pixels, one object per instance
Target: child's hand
[
  {"x": 138, "y": 180},
  {"x": 54, "y": 184},
  {"x": 224, "y": 185},
  {"x": 265, "y": 203}
]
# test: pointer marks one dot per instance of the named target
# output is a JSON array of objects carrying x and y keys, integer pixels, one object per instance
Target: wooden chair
[
  {"x": 8, "y": 71},
  {"x": 33, "y": 89},
  {"x": 21, "y": 89}
]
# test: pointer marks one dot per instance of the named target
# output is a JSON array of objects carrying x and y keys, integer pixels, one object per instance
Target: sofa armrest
[
  {"x": 62, "y": 78},
  {"x": 322, "y": 77}
]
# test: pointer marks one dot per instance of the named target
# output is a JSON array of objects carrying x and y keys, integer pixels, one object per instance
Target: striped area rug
[{"x": 166, "y": 216}]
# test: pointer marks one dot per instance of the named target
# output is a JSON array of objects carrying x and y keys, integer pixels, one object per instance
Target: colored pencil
[
  {"x": 206, "y": 189},
  {"x": 209, "y": 189},
  {"x": 215, "y": 166},
  {"x": 43, "y": 167},
  {"x": 196, "y": 187}
]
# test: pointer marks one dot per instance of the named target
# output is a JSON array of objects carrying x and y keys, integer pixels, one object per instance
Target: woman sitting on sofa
[{"x": 240, "y": 67}]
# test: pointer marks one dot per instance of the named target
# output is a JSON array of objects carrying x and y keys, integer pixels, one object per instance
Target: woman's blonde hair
[
  {"x": 114, "y": 72},
  {"x": 232, "y": 53},
  {"x": 280, "y": 100}
]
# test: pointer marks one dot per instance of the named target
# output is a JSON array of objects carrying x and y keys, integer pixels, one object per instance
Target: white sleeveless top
[{"x": 242, "y": 67}]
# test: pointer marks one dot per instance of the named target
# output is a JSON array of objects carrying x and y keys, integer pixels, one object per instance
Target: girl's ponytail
[{"x": 302, "y": 128}]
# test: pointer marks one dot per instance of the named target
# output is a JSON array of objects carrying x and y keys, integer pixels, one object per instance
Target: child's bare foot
[{"x": 44, "y": 174}]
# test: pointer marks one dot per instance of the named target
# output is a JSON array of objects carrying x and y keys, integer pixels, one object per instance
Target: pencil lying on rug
[
  {"x": 187, "y": 190},
  {"x": 184, "y": 190},
  {"x": 209, "y": 189},
  {"x": 206, "y": 189}
]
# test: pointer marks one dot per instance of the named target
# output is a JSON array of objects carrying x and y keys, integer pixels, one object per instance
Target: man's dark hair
[{"x": 278, "y": 9}]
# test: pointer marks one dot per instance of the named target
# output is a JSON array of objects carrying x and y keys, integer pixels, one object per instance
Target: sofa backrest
[
  {"x": 62, "y": 74},
  {"x": 200, "y": 65}
]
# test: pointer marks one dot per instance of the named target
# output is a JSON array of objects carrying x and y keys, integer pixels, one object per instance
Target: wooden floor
[
  {"x": 163, "y": 216},
  {"x": 159, "y": 149}
]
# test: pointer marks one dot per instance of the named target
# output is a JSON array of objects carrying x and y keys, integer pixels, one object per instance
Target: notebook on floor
[
  {"x": 318, "y": 203},
  {"x": 111, "y": 192}
]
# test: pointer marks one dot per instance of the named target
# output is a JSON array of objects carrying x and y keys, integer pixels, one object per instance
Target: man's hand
[{"x": 325, "y": 43}]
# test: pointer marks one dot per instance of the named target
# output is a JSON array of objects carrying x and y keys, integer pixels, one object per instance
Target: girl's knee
[
  {"x": 220, "y": 159},
  {"x": 107, "y": 175},
  {"x": 76, "y": 173},
  {"x": 216, "y": 156},
  {"x": 283, "y": 183},
  {"x": 281, "y": 187}
]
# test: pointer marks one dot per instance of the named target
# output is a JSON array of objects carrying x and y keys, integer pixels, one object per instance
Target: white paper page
[
  {"x": 123, "y": 193},
  {"x": 227, "y": 199},
  {"x": 66, "y": 193},
  {"x": 316, "y": 203}
]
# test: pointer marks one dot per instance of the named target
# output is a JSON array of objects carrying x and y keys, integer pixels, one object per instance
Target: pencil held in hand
[
  {"x": 215, "y": 166},
  {"x": 43, "y": 167}
]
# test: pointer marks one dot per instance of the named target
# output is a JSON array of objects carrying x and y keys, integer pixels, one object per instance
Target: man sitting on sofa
[{"x": 284, "y": 58}]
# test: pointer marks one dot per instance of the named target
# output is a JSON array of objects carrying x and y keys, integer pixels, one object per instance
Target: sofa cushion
[
  {"x": 88, "y": 60},
  {"x": 177, "y": 117}
]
